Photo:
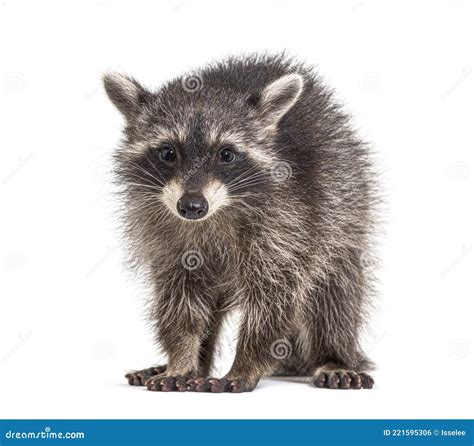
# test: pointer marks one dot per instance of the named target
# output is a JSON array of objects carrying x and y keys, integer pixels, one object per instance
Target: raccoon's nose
[{"x": 192, "y": 206}]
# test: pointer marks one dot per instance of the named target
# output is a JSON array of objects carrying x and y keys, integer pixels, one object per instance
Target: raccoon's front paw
[
  {"x": 139, "y": 377},
  {"x": 163, "y": 383},
  {"x": 342, "y": 379},
  {"x": 215, "y": 385}
]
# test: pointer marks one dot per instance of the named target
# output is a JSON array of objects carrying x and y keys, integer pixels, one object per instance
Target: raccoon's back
[
  {"x": 314, "y": 128},
  {"x": 330, "y": 161},
  {"x": 249, "y": 74}
]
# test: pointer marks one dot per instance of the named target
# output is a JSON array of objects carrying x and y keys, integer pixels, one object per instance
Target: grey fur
[{"x": 290, "y": 243}]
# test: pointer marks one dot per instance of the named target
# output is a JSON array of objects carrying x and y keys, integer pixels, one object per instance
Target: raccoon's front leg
[
  {"x": 183, "y": 362},
  {"x": 184, "y": 319},
  {"x": 259, "y": 348},
  {"x": 206, "y": 354},
  {"x": 183, "y": 350},
  {"x": 159, "y": 373}
]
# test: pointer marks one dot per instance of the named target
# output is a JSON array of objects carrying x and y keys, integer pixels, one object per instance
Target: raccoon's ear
[
  {"x": 278, "y": 97},
  {"x": 126, "y": 93}
]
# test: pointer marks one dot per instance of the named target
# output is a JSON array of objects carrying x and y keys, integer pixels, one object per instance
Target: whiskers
[
  {"x": 253, "y": 177},
  {"x": 143, "y": 188},
  {"x": 147, "y": 211}
]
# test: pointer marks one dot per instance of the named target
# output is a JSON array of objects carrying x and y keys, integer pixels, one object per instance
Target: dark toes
[
  {"x": 367, "y": 381},
  {"x": 333, "y": 381},
  {"x": 136, "y": 378},
  {"x": 133, "y": 379},
  {"x": 320, "y": 380},
  {"x": 239, "y": 386},
  {"x": 214, "y": 385},
  {"x": 202, "y": 385},
  {"x": 168, "y": 384},
  {"x": 219, "y": 385},
  {"x": 191, "y": 385},
  {"x": 197, "y": 385},
  {"x": 153, "y": 385},
  {"x": 181, "y": 384},
  {"x": 356, "y": 382},
  {"x": 344, "y": 380},
  {"x": 140, "y": 377}
]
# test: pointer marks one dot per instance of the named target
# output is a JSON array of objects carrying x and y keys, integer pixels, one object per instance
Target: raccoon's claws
[
  {"x": 214, "y": 385},
  {"x": 166, "y": 384},
  {"x": 343, "y": 379},
  {"x": 139, "y": 377}
]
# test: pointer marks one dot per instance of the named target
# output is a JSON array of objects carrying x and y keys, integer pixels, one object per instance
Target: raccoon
[{"x": 245, "y": 187}]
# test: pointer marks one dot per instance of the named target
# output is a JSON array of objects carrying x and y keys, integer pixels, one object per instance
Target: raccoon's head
[{"x": 196, "y": 149}]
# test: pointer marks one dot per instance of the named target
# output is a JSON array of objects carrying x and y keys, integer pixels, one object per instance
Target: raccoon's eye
[
  {"x": 226, "y": 155},
  {"x": 167, "y": 153}
]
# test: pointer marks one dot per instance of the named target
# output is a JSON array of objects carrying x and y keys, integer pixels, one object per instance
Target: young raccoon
[{"x": 245, "y": 187}]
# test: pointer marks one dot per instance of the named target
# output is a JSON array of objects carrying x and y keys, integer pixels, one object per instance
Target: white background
[{"x": 71, "y": 317}]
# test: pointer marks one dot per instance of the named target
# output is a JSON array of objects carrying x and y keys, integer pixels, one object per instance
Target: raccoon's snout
[{"x": 192, "y": 206}]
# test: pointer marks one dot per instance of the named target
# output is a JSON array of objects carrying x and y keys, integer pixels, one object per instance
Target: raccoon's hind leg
[{"x": 333, "y": 328}]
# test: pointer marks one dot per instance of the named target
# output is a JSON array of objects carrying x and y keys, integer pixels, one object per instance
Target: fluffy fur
[{"x": 287, "y": 238}]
